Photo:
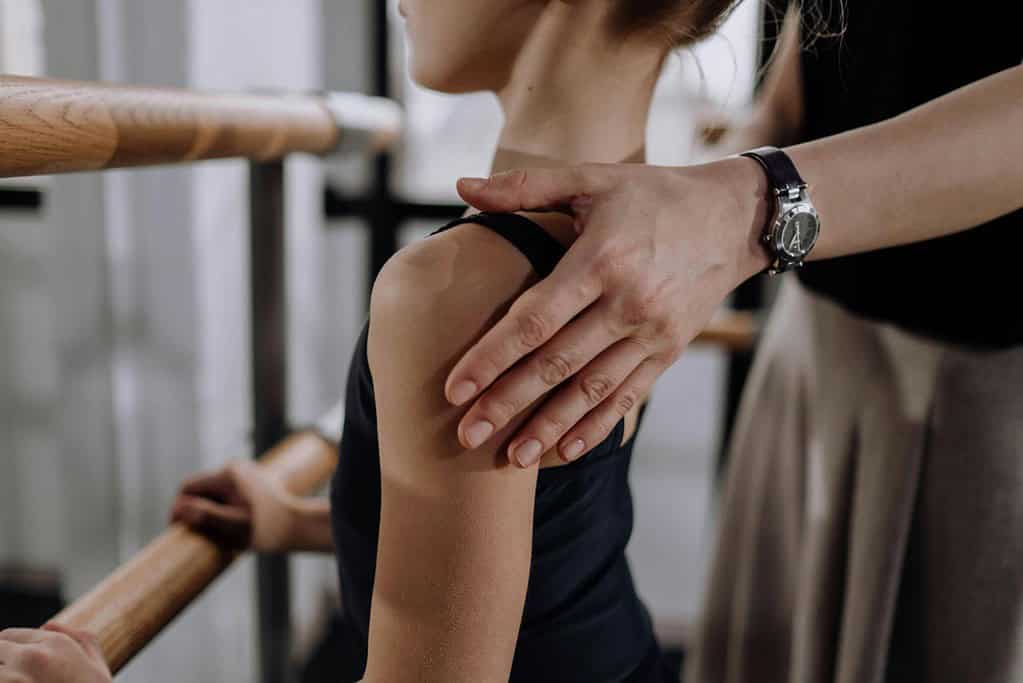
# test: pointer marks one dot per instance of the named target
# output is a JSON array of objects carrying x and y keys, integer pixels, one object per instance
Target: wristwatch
[{"x": 794, "y": 226}]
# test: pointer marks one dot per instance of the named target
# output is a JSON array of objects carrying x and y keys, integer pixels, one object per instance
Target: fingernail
[
  {"x": 528, "y": 452},
  {"x": 478, "y": 432},
  {"x": 462, "y": 392},
  {"x": 572, "y": 450},
  {"x": 472, "y": 184}
]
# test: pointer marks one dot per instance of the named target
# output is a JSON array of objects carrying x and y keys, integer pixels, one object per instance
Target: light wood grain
[
  {"x": 51, "y": 126},
  {"x": 731, "y": 331},
  {"x": 131, "y": 606}
]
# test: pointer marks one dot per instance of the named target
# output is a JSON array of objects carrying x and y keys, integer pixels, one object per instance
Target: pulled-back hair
[
  {"x": 678, "y": 22},
  {"x": 684, "y": 22}
]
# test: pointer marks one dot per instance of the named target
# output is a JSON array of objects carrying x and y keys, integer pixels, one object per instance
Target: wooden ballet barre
[
  {"x": 730, "y": 330},
  {"x": 132, "y": 605},
  {"x": 52, "y": 126}
]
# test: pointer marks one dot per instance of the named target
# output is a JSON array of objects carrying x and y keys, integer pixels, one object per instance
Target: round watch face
[{"x": 797, "y": 232}]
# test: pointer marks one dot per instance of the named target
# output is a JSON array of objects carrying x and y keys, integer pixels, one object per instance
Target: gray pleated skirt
[{"x": 871, "y": 525}]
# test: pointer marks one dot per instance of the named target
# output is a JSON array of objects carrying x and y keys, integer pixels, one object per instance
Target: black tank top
[
  {"x": 891, "y": 56},
  {"x": 582, "y": 619}
]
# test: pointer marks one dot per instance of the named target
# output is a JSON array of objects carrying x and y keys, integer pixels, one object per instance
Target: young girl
[{"x": 454, "y": 565}]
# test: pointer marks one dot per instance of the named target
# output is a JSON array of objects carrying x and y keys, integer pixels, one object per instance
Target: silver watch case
[{"x": 793, "y": 232}]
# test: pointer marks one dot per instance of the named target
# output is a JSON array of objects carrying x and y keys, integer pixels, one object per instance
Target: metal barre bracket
[{"x": 364, "y": 122}]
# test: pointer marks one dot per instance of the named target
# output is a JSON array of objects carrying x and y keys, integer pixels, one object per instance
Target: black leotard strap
[{"x": 542, "y": 250}]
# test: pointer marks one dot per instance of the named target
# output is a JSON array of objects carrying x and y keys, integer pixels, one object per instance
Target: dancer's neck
[{"x": 574, "y": 96}]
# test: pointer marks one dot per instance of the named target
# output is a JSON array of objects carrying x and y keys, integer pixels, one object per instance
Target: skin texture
[
  {"x": 52, "y": 654},
  {"x": 697, "y": 228}
]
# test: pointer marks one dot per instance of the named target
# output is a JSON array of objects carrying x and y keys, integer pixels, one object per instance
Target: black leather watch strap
[{"x": 781, "y": 172}]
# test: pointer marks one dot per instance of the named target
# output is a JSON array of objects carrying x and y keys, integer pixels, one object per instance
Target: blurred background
[{"x": 125, "y": 311}]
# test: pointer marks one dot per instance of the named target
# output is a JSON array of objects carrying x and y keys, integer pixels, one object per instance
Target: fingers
[
  {"x": 536, "y": 188},
  {"x": 533, "y": 319},
  {"x": 599, "y": 422},
  {"x": 229, "y": 525},
  {"x": 586, "y": 392},
  {"x": 219, "y": 485},
  {"x": 557, "y": 361}
]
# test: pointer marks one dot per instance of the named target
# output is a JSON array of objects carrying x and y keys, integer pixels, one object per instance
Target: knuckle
[
  {"x": 533, "y": 329},
  {"x": 621, "y": 322},
  {"x": 602, "y": 426},
  {"x": 550, "y": 426},
  {"x": 626, "y": 402},
  {"x": 509, "y": 179},
  {"x": 660, "y": 324},
  {"x": 498, "y": 410},
  {"x": 596, "y": 388},
  {"x": 554, "y": 369},
  {"x": 642, "y": 307},
  {"x": 589, "y": 285},
  {"x": 611, "y": 263},
  {"x": 494, "y": 363},
  {"x": 636, "y": 313},
  {"x": 33, "y": 659},
  {"x": 518, "y": 178}
]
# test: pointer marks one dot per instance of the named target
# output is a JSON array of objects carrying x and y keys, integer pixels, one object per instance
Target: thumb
[{"x": 530, "y": 189}]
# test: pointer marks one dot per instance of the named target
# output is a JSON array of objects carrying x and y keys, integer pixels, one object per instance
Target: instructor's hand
[{"x": 659, "y": 250}]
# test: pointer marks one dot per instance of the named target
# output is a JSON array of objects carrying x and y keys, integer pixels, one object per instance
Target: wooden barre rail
[
  {"x": 53, "y": 126},
  {"x": 730, "y": 330},
  {"x": 131, "y": 606}
]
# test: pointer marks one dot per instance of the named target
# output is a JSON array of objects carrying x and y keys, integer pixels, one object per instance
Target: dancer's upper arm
[{"x": 456, "y": 525}]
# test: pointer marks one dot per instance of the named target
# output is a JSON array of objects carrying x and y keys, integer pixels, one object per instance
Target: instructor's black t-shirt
[{"x": 892, "y": 56}]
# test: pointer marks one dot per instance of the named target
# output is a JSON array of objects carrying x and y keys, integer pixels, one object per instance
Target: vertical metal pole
[
  {"x": 383, "y": 223},
  {"x": 267, "y": 287}
]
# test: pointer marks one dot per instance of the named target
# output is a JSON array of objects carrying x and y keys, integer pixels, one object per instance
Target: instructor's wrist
[{"x": 750, "y": 207}]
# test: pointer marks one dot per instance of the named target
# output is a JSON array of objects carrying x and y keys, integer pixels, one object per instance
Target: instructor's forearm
[{"x": 946, "y": 166}]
